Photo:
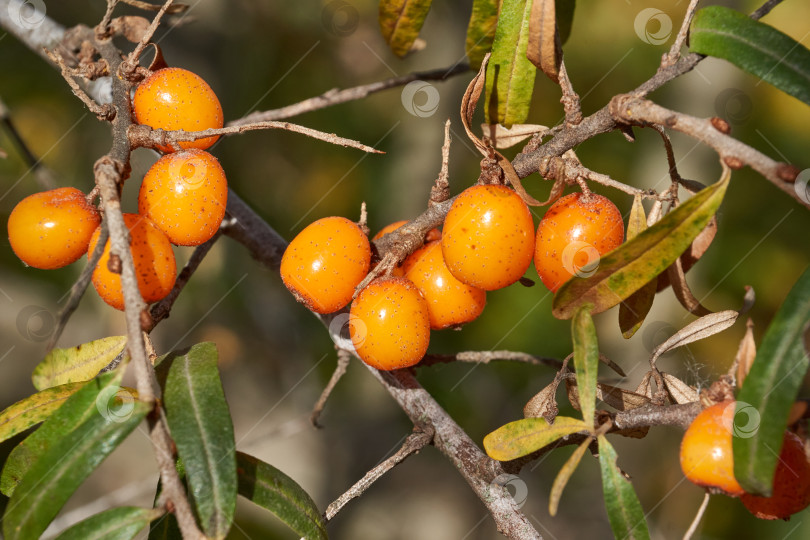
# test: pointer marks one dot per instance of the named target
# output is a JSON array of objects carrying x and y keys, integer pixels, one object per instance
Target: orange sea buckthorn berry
[
  {"x": 488, "y": 237},
  {"x": 152, "y": 255},
  {"x": 706, "y": 455},
  {"x": 52, "y": 229},
  {"x": 572, "y": 236},
  {"x": 175, "y": 98},
  {"x": 185, "y": 195},
  {"x": 450, "y": 302},
  {"x": 791, "y": 483},
  {"x": 389, "y": 324},
  {"x": 325, "y": 262}
]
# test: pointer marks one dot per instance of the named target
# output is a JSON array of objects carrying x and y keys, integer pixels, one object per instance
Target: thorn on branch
[{"x": 440, "y": 191}]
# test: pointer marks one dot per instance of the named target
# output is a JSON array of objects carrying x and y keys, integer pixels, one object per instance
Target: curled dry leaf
[
  {"x": 544, "y": 403},
  {"x": 746, "y": 353},
  {"x": 614, "y": 396},
  {"x": 468, "y": 103},
  {"x": 158, "y": 62},
  {"x": 683, "y": 293},
  {"x": 704, "y": 327},
  {"x": 679, "y": 391},
  {"x": 131, "y": 27},
  {"x": 644, "y": 388},
  {"x": 611, "y": 364},
  {"x": 696, "y": 250},
  {"x": 503, "y": 137},
  {"x": 544, "y": 49}
]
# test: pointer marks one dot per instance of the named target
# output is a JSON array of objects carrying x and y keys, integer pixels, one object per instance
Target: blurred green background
[{"x": 276, "y": 358}]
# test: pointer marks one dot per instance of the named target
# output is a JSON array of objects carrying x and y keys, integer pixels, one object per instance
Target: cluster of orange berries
[
  {"x": 488, "y": 242},
  {"x": 707, "y": 460},
  {"x": 181, "y": 200}
]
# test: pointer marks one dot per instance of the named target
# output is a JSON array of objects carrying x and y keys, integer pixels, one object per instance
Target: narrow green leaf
[
  {"x": 122, "y": 523},
  {"x": 80, "y": 363},
  {"x": 510, "y": 75},
  {"x": 75, "y": 410},
  {"x": 635, "y": 308},
  {"x": 565, "y": 18},
  {"x": 34, "y": 409},
  {"x": 401, "y": 21},
  {"x": 769, "y": 391},
  {"x": 586, "y": 360},
  {"x": 201, "y": 426},
  {"x": 753, "y": 46},
  {"x": 623, "y": 508},
  {"x": 629, "y": 267},
  {"x": 522, "y": 437},
  {"x": 270, "y": 488},
  {"x": 564, "y": 475},
  {"x": 62, "y": 468},
  {"x": 481, "y": 30}
]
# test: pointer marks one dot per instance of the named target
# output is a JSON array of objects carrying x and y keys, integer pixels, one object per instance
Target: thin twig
[
  {"x": 142, "y": 135},
  {"x": 698, "y": 517},
  {"x": 485, "y": 357},
  {"x": 764, "y": 9},
  {"x": 103, "y": 112},
  {"x": 79, "y": 287},
  {"x": 412, "y": 445},
  {"x": 675, "y": 51},
  {"x": 132, "y": 61},
  {"x": 42, "y": 175},
  {"x": 161, "y": 310},
  {"x": 343, "y": 359},
  {"x": 632, "y": 110},
  {"x": 673, "y": 164},
  {"x": 336, "y": 97},
  {"x": 103, "y": 28}
]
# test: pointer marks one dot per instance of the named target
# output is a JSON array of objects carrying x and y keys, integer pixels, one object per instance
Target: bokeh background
[{"x": 276, "y": 358}]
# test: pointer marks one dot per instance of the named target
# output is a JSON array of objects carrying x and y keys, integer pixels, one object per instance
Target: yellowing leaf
[
  {"x": 74, "y": 364},
  {"x": 522, "y": 437},
  {"x": 629, "y": 267},
  {"x": 34, "y": 409},
  {"x": 401, "y": 21},
  {"x": 564, "y": 475}
]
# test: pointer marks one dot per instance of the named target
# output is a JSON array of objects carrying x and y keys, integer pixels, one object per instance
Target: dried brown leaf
[
  {"x": 679, "y": 391},
  {"x": 704, "y": 327},
  {"x": 620, "y": 398},
  {"x": 644, "y": 388},
  {"x": 544, "y": 403},
  {"x": 470, "y": 100},
  {"x": 544, "y": 50},
  {"x": 683, "y": 293},
  {"x": 503, "y": 137},
  {"x": 131, "y": 27},
  {"x": 746, "y": 353}
]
